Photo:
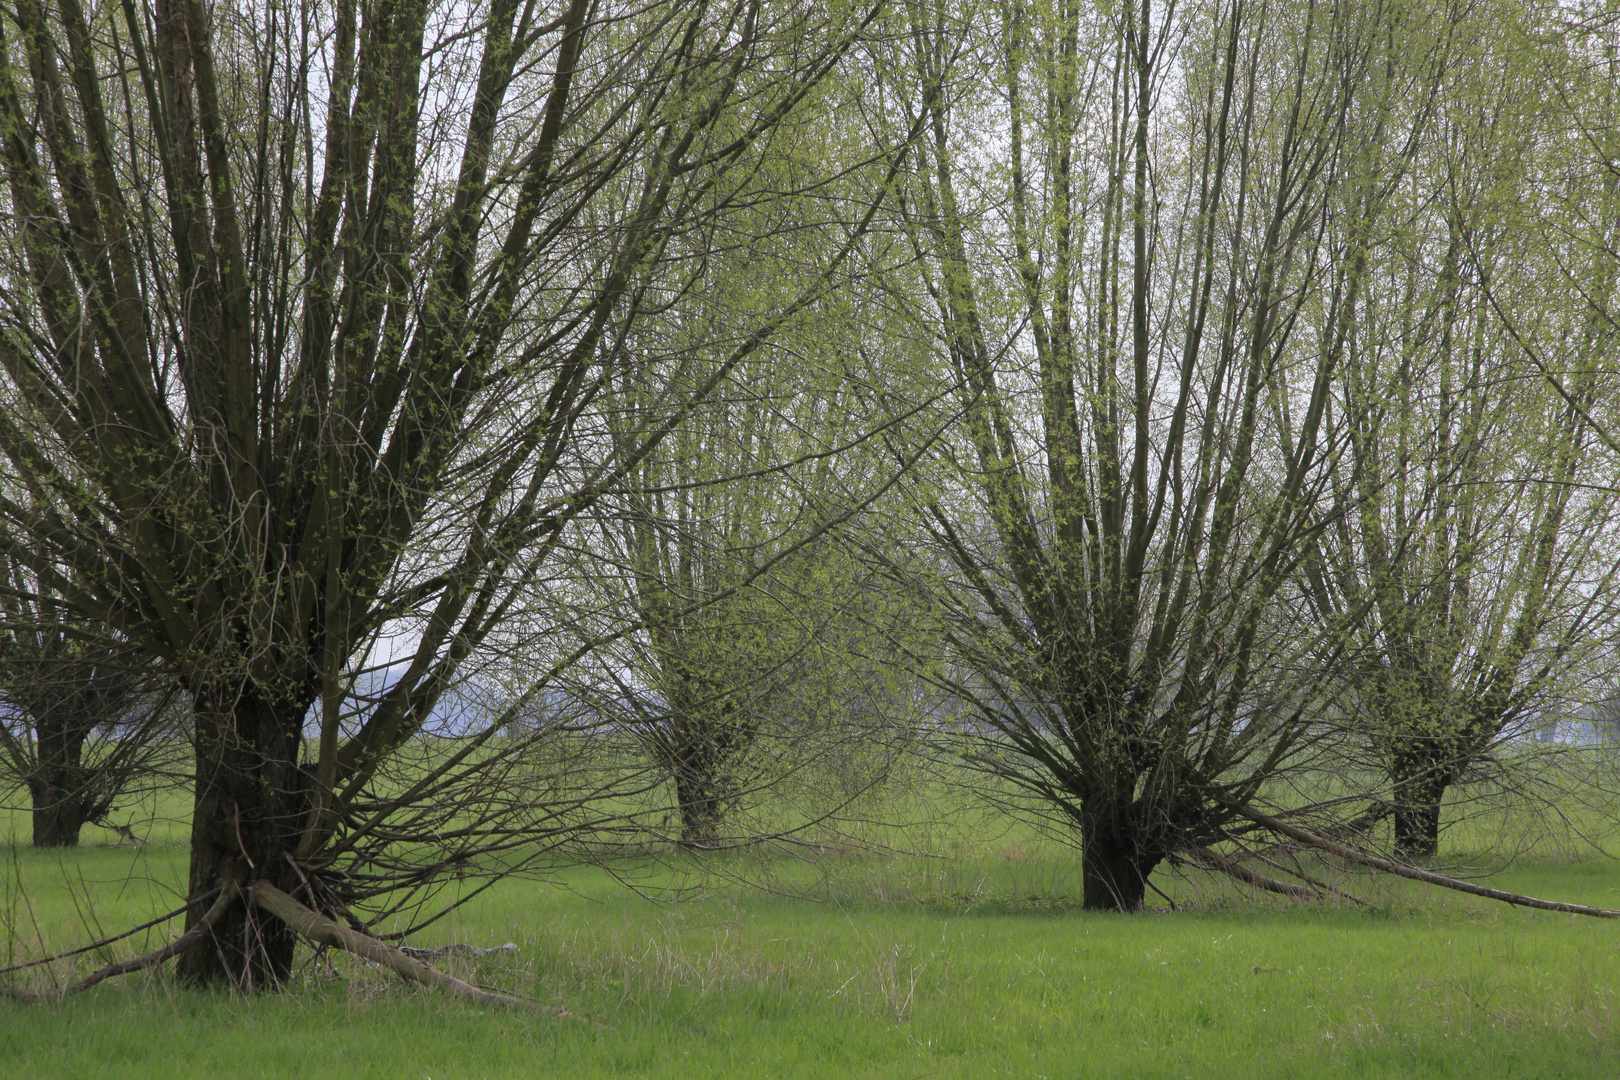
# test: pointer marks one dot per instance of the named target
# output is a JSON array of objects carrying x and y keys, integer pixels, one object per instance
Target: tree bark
[
  {"x": 250, "y": 801},
  {"x": 61, "y": 801},
  {"x": 58, "y": 816},
  {"x": 1115, "y": 869},
  {"x": 701, "y": 809},
  {"x": 702, "y": 746},
  {"x": 1420, "y": 787}
]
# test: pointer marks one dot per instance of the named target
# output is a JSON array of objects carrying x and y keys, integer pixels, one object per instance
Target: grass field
[{"x": 971, "y": 963}]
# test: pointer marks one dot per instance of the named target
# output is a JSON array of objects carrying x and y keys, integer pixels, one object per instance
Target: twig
[
  {"x": 104, "y": 942},
  {"x": 1173, "y": 905},
  {"x": 125, "y": 832},
  {"x": 191, "y": 937},
  {"x": 458, "y": 948}
]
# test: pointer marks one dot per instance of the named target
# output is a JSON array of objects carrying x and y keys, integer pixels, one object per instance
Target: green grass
[
  {"x": 881, "y": 978},
  {"x": 972, "y": 964}
]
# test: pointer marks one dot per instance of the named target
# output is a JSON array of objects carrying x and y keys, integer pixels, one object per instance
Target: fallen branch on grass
[
  {"x": 1429, "y": 877},
  {"x": 318, "y": 928},
  {"x": 1206, "y": 859},
  {"x": 458, "y": 948},
  {"x": 227, "y": 896}
]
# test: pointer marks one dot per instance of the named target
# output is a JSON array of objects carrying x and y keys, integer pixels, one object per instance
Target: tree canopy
[{"x": 1205, "y": 400}]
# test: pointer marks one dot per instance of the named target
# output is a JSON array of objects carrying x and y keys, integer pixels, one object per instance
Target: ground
[{"x": 971, "y": 961}]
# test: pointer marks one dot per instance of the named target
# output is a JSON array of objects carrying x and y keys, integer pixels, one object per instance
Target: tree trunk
[
  {"x": 701, "y": 809},
  {"x": 249, "y": 803},
  {"x": 58, "y": 789},
  {"x": 1115, "y": 869},
  {"x": 702, "y": 747},
  {"x": 58, "y": 815},
  {"x": 1420, "y": 787}
]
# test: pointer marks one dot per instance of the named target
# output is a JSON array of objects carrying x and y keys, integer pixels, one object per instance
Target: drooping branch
[
  {"x": 185, "y": 941},
  {"x": 1428, "y": 877},
  {"x": 104, "y": 942},
  {"x": 1208, "y": 859}
]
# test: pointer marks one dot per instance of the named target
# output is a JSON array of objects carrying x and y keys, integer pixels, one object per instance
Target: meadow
[{"x": 964, "y": 955}]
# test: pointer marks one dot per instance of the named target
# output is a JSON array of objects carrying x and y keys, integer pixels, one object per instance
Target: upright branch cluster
[
  {"x": 1217, "y": 372},
  {"x": 306, "y": 310}
]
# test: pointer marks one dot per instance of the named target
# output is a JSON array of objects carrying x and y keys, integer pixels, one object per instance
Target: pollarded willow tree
[
  {"x": 84, "y": 725},
  {"x": 759, "y": 654},
  {"x": 1120, "y": 230},
  {"x": 1475, "y": 537},
  {"x": 751, "y": 664},
  {"x": 304, "y": 320}
]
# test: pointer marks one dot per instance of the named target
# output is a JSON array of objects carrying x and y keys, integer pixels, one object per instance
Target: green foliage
[{"x": 528, "y": 439}]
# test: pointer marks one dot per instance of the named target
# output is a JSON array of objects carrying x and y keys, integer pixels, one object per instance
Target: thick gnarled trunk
[
  {"x": 58, "y": 816},
  {"x": 701, "y": 748},
  {"x": 702, "y": 809},
  {"x": 250, "y": 802},
  {"x": 60, "y": 792},
  {"x": 1115, "y": 867},
  {"x": 1420, "y": 787}
]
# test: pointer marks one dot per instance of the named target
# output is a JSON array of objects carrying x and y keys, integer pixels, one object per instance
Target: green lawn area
[{"x": 972, "y": 964}]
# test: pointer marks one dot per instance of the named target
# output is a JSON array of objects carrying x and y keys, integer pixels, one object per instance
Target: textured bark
[
  {"x": 702, "y": 810},
  {"x": 1420, "y": 788},
  {"x": 58, "y": 815},
  {"x": 64, "y": 692},
  {"x": 1115, "y": 869},
  {"x": 248, "y": 807},
  {"x": 62, "y": 791},
  {"x": 701, "y": 743}
]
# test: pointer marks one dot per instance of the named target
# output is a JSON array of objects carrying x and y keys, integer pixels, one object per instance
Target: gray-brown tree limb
[
  {"x": 318, "y": 928},
  {"x": 1428, "y": 877},
  {"x": 190, "y": 939}
]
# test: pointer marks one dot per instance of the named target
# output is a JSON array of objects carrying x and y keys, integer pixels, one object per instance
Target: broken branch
[
  {"x": 318, "y": 928},
  {"x": 227, "y": 896}
]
